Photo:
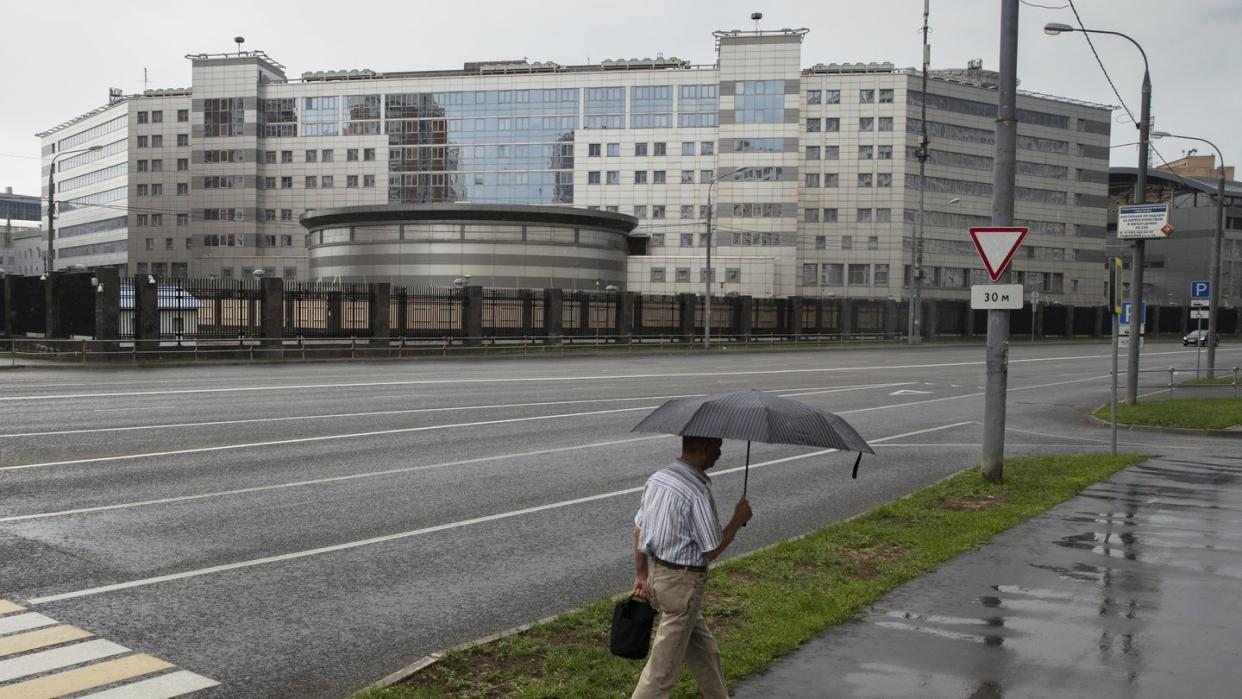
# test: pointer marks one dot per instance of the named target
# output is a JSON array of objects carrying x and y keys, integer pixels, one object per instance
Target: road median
[
  {"x": 764, "y": 604},
  {"x": 1199, "y": 414}
]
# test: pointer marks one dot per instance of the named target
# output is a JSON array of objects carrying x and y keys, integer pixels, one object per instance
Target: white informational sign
[
  {"x": 1198, "y": 314},
  {"x": 1123, "y": 342},
  {"x": 1198, "y": 303},
  {"x": 996, "y": 296},
  {"x": 1141, "y": 221}
]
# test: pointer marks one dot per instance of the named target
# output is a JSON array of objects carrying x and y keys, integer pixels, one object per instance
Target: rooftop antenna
[
  {"x": 756, "y": 16},
  {"x": 144, "y": 79},
  {"x": 239, "y": 40}
]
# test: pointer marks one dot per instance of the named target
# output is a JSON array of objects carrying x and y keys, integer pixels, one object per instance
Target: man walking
[{"x": 677, "y": 529}]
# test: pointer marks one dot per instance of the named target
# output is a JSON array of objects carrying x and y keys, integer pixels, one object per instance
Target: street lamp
[
  {"x": 707, "y": 272},
  {"x": 1217, "y": 239},
  {"x": 51, "y": 201},
  {"x": 1140, "y": 197}
]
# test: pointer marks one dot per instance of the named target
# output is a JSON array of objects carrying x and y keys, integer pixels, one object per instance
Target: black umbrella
[{"x": 755, "y": 416}]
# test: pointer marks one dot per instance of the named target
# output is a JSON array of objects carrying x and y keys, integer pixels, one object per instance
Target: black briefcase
[{"x": 631, "y": 628}]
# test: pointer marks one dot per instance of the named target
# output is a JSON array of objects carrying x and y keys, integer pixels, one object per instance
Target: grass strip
[
  {"x": 1188, "y": 413},
  {"x": 1225, "y": 379},
  {"x": 764, "y": 605}
]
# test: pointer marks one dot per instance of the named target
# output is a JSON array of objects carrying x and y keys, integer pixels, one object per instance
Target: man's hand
[
  {"x": 742, "y": 513},
  {"x": 640, "y": 587}
]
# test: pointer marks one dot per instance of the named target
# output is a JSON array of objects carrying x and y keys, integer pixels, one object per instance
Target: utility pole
[
  {"x": 1003, "y": 173},
  {"x": 914, "y": 333},
  {"x": 1140, "y": 245}
]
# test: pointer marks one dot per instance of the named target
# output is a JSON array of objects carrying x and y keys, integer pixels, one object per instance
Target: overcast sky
[{"x": 59, "y": 66}]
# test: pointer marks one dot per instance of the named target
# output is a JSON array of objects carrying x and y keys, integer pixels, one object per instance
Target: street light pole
[
  {"x": 707, "y": 272},
  {"x": 48, "y": 266},
  {"x": 1140, "y": 197},
  {"x": 1217, "y": 241},
  {"x": 914, "y": 333}
]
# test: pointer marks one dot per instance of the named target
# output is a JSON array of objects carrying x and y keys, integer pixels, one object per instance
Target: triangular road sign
[{"x": 996, "y": 246}]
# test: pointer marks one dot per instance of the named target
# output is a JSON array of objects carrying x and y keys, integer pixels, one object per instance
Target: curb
[{"x": 1184, "y": 431}]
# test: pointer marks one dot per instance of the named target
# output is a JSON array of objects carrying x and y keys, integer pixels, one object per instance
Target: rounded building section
[{"x": 491, "y": 245}]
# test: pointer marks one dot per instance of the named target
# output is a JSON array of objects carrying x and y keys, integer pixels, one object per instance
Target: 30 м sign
[{"x": 996, "y": 297}]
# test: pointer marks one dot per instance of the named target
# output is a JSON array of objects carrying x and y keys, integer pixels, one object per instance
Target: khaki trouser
[{"x": 681, "y": 635}]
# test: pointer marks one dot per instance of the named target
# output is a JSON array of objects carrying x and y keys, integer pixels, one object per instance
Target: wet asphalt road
[{"x": 307, "y": 529}]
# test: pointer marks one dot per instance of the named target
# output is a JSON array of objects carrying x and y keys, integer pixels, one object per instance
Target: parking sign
[{"x": 1200, "y": 290}]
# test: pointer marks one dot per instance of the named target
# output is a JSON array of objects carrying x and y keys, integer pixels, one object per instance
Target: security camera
[{"x": 756, "y": 16}]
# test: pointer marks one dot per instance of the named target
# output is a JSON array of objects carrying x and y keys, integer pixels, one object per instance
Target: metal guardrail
[
  {"x": 1172, "y": 382},
  {"x": 196, "y": 350}
]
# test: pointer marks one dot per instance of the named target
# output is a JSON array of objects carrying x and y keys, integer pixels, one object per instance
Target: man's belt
[{"x": 678, "y": 566}]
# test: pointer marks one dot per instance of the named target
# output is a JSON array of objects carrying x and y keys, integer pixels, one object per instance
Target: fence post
[
  {"x": 51, "y": 307},
  {"x": 108, "y": 308},
  {"x": 552, "y": 305},
  {"x": 688, "y": 303},
  {"x": 1171, "y": 372},
  {"x": 744, "y": 313},
  {"x": 273, "y": 301},
  {"x": 795, "y": 316},
  {"x": 6, "y": 306},
  {"x": 472, "y": 315},
  {"x": 846, "y": 313},
  {"x": 146, "y": 312},
  {"x": 625, "y": 315},
  {"x": 528, "y": 313},
  {"x": 380, "y": 295}
]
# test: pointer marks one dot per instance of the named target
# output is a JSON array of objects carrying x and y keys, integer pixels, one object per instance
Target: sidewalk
[{"x": 1129, "y": 590}]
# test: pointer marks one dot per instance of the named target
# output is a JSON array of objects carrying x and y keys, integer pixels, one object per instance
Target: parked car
[{"x": 1199, "y": 338}]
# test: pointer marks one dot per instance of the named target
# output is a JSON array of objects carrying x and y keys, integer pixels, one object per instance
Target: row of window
[
  {"x": 831, "y": 179},
  {"x": 157, "y": 116},
  {"x": 89, "y": 178},
  {"x": 595, "y": 150},
  {"x": 180, "y": 270},
  {"x": 681, "y": 275},
  {"x": 156, "y": 189},
  {"x": 157, "y": 140},
  {"x": 329, "y": 181},
  {"x": 867, "y": 215},
  {"x": 157, "y": 165},
  {"x": 841, "y": 274},
  {"x": 834, "y": 96}
]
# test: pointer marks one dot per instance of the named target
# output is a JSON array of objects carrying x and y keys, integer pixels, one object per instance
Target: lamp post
[
  {"x": 1217, "y": 240},
  {"x": 707, "y": 271},
  {"x": 48, "y": 266},
  {"x": 1140, "y": 197}
]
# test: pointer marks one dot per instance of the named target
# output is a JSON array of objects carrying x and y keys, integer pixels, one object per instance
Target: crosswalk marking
[
  {"x": 162, "y": 687},
  {"x": 40, "y": 658},
  {"x": 23, "y": 622},
  {"x": 43, "y": 661},
  {"x": 41, "y": 638},
  {"x": 87, "y": 677}
]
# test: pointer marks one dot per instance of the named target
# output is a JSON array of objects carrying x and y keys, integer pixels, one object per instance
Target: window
[
  {"x": 157, "y": 117},
  {"x": 157, "y": 190},
  {"x": 733, "y": 275},
  {"x": 658, "y": 177},
  {"x": 864, "y": 216},
  {"x": 884, "y": 152},
  {"x": 183, "y": 164},
  {"x": 706, "y": 176},
  {"x": 812, "y": 152},
  {"x": 847, "y": 242},
  {"x": 860, "y": 275},
  {"x": 142, "y": 166},
  {"x": 269, "y": 214},
  {"x": 866, "y": 96},
  {"x": 183, "y": 189},
  {"x": 269, "y": 183},
  {"x": 140, "y": 190},
  {"x": 657, "y": 274},
  {"x": 703, "y": 209},
  {"x": 873, "y": 242},
  {"x": 286, "y": 156},
  {"x": 832, "y": 179},
  {"x": 183, "y": 219},
  {"x": 640, "y": 149},
  {"x": 157, "y": 165},
  {"x": 327, "y": 156},
  {"x": 687, "y": 211},
  {"x": 884, "y": 179},
  {"x": 640, "y": 211},
  {"x": 150, "y": 243},
  {"x": 368, "y": 181},
  {"x": 866, "y": 123},
  {"x": 687, "y": 176},
  {"x": 657, "y": 211},
  {"x": 286, "y": 241},
  {"x": 326, "y": 182},
  {"x": 881, "y": 275},
  {"x": 312, "y": 156},
  {"x": 813, "y": 96},
  {"x": 368, "y": 154},
  {"x": 707, "y": 148},
  {"x": 157, "y": 141},
  {"x": 864, "y": 179},
  {"x": 311, "y": 182},
  {"x": 142, "y": 142},
  {"x": 168, "y": 243},
  {"x": 351, "y": 181},
  {"x": 686, "y": 240},
  {"x": 886, "y": 96},
  {"x": 810, "y": 215},
  {"x": 614, "y": 150},
  {"x": 809, "y": 271},
  {"x": 659, "y": 149},
  {"x": 687, "y": 147},
  {"x": 269, "y": 157},
  {"x": 883, "y": 215},
  {"x": 759, "y": 101},
  {"x": 351, "y": 155},
  {"x": 833, "y": 274},
  {"x": 612, "y": 177},
  {"x": 821, "y": 242},
  {"x": 885, "y": 124},
  {"x": 832, "y": 97},
  {"x": 832, "y": 152},
  {"x": 593, "y": 177},
  {"x": 640, "y": 177},
  {"x": 593, "y": 150},
  {"x": 683, "y": 274},
  {"x": 830, "y": 215},
  {"x": 142, "y": 119},
  {"x": 183, "y": 115},
  {"x": 832, "y": 124},
  {"x": 813, "y": 125},
  {"x": 812, "y": 179},
  {"x": 286, "y": 183},
  {"x": 866, "y": 152}
]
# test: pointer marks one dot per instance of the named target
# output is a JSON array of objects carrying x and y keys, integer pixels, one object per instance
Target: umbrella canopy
[{"x": 754, "y": 416}]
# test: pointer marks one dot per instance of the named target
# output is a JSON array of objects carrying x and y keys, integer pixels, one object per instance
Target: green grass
[
  {"x": 1190, "y": 413},
  {"x": 764, "y": 605}
]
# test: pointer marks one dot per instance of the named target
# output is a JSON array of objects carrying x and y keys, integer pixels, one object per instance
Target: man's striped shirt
[{"x": 677, "y": 518}]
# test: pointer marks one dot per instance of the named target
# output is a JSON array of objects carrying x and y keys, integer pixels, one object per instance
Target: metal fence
[
  {"x": 656, "y": 314},
  {"x": 426, "y": 312},
  {"x": 327, "y": 310},
  {"x": 508, "y": 313}
]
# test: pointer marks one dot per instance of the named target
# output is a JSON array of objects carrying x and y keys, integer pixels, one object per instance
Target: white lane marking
[
  {"x": 409, "y": 411},
  {"x": 163, "y": 687},
  {"x": 352, "y": 435},
  {"x": 331, "y": 479},
  {"x": 141, "y": 407},
  {"x": 24, "y": 622},
  {"x": 909, "y": 392},
  {"x": 428, "y": 530},
  {"x": 970, "y": 395},
  {"x": 531, "y": 379},
  {"x": 57, "y": 658}
]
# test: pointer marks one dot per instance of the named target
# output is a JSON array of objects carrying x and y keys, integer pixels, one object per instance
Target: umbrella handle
[{"x": 746, "y": 473}]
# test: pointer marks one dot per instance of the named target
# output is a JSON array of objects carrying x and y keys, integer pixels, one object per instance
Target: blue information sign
[{"x": 1200, "y": 290}]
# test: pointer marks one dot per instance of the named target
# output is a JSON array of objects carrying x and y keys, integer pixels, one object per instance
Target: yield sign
[{"x": 996, "y": 246}]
